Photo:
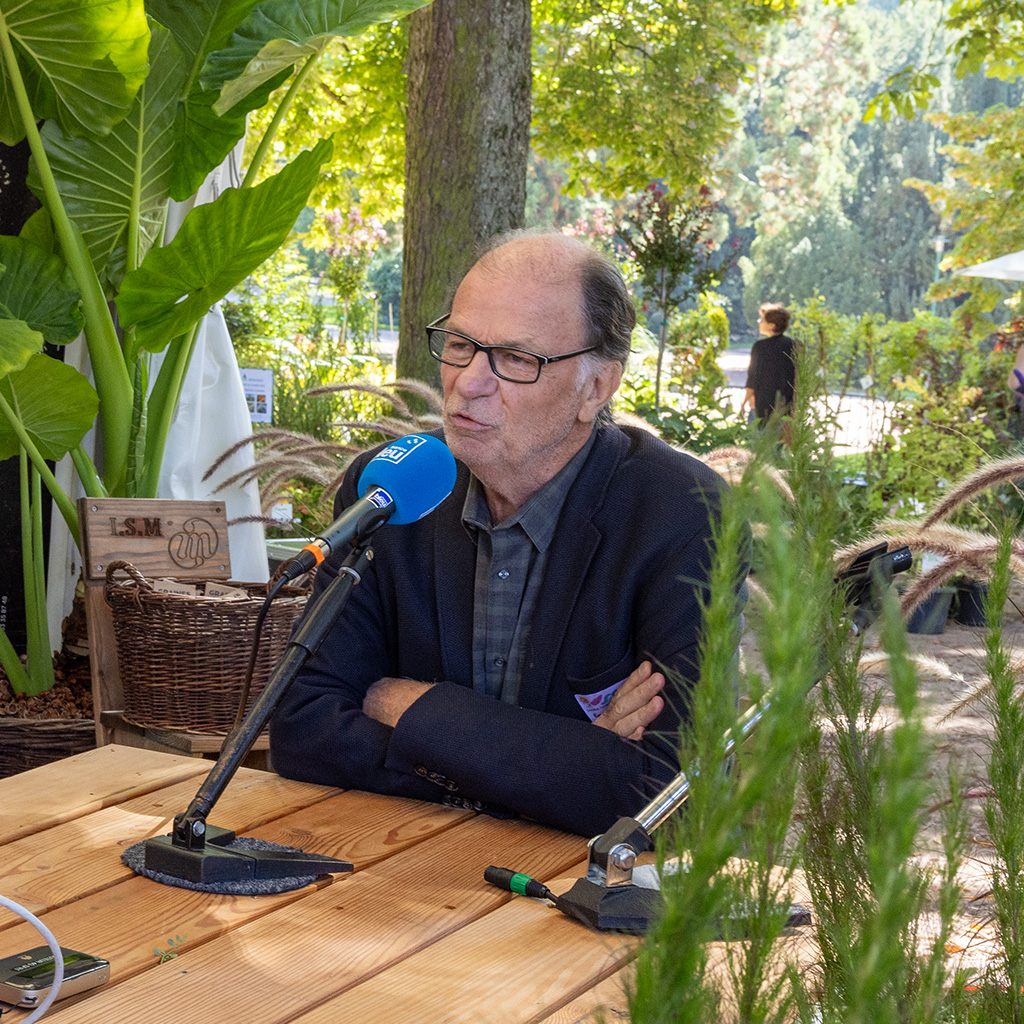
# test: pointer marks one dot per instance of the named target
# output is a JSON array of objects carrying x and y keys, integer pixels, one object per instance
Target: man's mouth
[{"x": 465, "y": 422}]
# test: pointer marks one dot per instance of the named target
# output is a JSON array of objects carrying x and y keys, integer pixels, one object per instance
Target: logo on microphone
[
  {"x": 379, "y": 497},
  {"x": 398, "y": 450}
]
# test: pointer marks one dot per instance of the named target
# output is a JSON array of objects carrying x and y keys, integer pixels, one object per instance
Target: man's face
[{"x": 515, "y": 437}]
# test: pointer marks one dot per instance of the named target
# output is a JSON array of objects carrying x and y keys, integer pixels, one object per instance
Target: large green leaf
[
  {"x": 282, "y": 33},
  {"x": 202, "y": 138},
  {"x": 18, "y": 343},
  {"x": 55, "y": 403},
  {"x": 115, "y": 186},
  {"x": 217, "y": 246},
  {"x": 82, "y": 61},
  {"x": 37, "y": 289}
]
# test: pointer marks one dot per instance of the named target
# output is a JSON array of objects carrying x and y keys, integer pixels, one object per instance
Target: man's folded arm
[{"x": 562, "y": 772}]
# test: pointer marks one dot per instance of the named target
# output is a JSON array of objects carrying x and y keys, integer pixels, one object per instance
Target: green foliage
[
  {"x": 669, "y": 249},
  {"x": 37, "y": 674},
  {"x": 103, "y": 110},
  {"x": 824, "y": 191},
  {"x": 626, "y": 91},
  {"x": 356, "y": 93},
  {"x": 623, "y": 92},
  {"x": 1004, "y": 811},
  {"x": 275, "y": 325},
  {"x": 794, "y": 153},
  {"x": 941, "y": 403},
  {"x": 865, "y": 792},
  {"x": 907, "y": 92},
  {"x": 125, "y": 128},
  {"x": 746, "y": 812},
  {"x": 694, "y": 409},
  {"x": 987, "y": 35},
  {"x": 982, "y": 195}
]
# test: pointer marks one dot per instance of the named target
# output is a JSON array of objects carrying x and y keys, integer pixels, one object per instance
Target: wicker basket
[
  {"x": 183, "y": 660},
  {"x": 31, "y": 742}
]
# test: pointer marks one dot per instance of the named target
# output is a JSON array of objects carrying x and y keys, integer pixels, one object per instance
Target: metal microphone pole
[{"x": 197, "y": 852}]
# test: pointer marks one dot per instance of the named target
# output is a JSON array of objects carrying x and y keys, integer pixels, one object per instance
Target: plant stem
[
  {"x": 63, "y": 502},
  {"x": 111, "y": 376},
  {"x": 41, "y": 666},
  {"x": 163, "y": 401},
  {"x": 39, "y": 657},
  {"x": 16, "y": 674},
  {"x": 282, "y": 109},
  {"x": 87, "y": 474}
]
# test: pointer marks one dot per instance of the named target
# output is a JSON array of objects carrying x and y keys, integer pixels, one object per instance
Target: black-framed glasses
[{"x": 512, "y": 364}]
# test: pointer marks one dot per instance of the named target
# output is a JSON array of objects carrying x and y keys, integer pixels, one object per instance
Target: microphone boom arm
[{"x": 197, "y": 852}]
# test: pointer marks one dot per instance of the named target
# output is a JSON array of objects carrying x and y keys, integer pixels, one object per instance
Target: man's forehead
[{"x": 520, "y": 290}]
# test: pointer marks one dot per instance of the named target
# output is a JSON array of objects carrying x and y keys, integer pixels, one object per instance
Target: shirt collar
[{"x": 539, "y": 516}]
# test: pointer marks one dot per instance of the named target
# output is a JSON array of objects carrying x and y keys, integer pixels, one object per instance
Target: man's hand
[
  {"x": 387, "y": 699},
  {"x": 636, "y": 703}
]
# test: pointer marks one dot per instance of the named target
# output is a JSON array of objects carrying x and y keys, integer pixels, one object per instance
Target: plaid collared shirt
[{"x": 511, "y": 559}]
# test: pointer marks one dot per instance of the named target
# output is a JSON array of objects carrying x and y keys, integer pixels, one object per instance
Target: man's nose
[{"x": 477, "y": 378}]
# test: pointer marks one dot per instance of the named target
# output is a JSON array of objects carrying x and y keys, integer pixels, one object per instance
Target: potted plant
[
  {"x": 969, "y": 600},
  {"x": 137, "y": 103}
]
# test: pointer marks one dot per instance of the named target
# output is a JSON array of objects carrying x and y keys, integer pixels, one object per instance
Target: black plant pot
[
  {"x": 931, "y": 614},
  {"x": 969, "y": 603}
]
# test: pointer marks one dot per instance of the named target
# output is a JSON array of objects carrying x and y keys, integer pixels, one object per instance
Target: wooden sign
[{"x": 160, "y": 537}]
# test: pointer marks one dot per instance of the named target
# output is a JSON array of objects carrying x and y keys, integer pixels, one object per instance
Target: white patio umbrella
[{"x": 1003, "y": 268}]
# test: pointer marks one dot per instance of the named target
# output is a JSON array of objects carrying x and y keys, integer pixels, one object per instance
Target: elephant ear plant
[{"x": 137, "y": 103}]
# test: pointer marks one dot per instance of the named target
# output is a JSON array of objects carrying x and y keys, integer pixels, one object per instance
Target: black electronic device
[{"x": 26, "y": 978}]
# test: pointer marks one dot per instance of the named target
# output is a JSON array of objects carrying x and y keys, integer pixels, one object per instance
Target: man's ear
[{"x": 604, "y": 383}]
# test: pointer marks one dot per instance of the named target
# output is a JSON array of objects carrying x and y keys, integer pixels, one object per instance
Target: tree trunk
[{"x": 466, "y": 143}]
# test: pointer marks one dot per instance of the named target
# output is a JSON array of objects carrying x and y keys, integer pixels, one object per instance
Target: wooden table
[{"x": 413, "y": 934}]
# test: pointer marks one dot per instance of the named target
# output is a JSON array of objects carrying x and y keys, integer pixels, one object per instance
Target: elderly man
[{"x": 509, "y": 652}]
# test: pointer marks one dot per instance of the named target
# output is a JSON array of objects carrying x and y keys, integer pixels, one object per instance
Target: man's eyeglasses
[{"x": 512, "y": 364}]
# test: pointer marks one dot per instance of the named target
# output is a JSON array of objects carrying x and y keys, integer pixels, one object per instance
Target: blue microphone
[{"x": 403, "y": 482}]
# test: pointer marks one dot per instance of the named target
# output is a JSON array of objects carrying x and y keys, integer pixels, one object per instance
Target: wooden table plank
[
  {"x": 71, "y": 860},
  {"x": 605, "y": 1003},
  {"x": 362, "y": 827},
  {"x": 125, "y": 922},
  {"x": 313, "y": 949},
  {"x": 67, "y": 789},
  {"x": 479, "y": 973}
]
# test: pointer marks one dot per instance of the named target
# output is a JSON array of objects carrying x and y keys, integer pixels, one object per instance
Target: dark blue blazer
[{"x": 625, "y": 572}]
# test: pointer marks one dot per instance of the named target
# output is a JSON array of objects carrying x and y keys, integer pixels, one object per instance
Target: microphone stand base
[
  {"x": 217, "y": 862},
  {"x": 621, "y": 908}
]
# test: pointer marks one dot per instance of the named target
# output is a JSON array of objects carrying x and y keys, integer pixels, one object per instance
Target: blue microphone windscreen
[{"x": 417, "y": 470}]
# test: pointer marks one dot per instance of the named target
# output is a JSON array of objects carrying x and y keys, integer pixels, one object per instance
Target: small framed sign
[{"x": 258, "y": 385}]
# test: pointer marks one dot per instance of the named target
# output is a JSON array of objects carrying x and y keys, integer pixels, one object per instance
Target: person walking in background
[{"x": 771, "y": 376}]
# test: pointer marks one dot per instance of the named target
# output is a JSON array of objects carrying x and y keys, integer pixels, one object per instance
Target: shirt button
[
  {"x": 500, "y": 662},
  {"x": 503, "y": 574}
]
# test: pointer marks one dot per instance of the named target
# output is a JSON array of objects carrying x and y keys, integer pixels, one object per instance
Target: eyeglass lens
[{"x": 506, "y": 362}]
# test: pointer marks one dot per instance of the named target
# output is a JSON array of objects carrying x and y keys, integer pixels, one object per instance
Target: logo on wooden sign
[{"x": 194, "y": 543}]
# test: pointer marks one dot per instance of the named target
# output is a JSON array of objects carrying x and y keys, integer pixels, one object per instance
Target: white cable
[{"x": 58, "y": 956}]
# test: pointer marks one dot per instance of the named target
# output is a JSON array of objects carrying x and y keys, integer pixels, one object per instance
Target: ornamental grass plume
[
  {"x": 982, "y": 479},
  {"x": 283, "y": 456},
  {"x": 983, "y": 690},
  {"x": 971, "y": 552},
  {"x": 731, "y": 463}
]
